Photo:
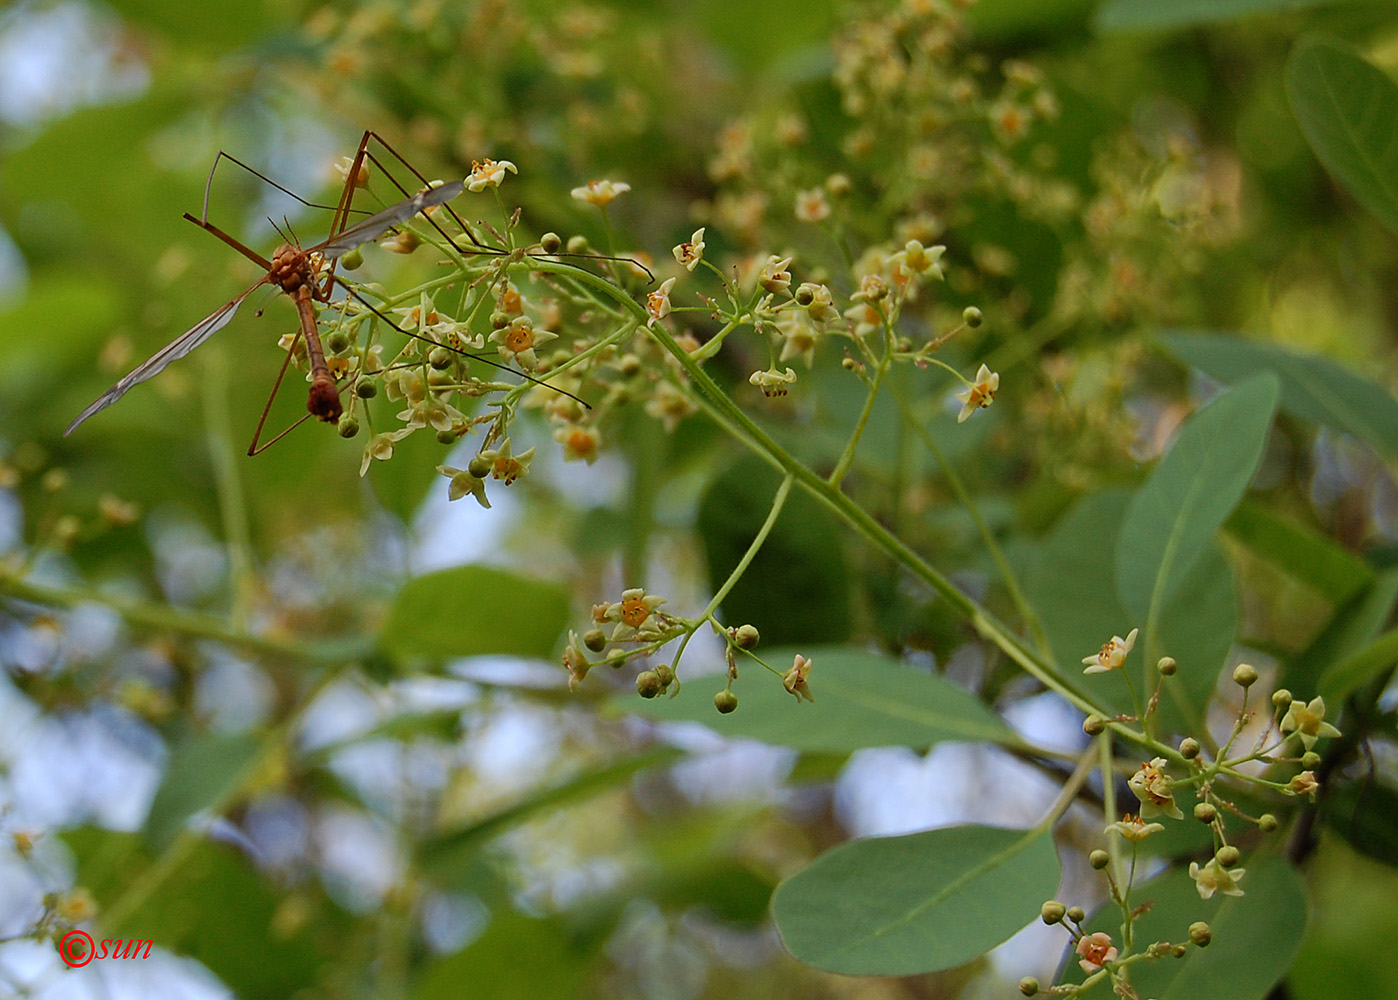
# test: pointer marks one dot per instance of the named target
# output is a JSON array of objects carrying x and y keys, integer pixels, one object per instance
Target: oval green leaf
[
  {"x": 899, "y": 906},
  {"x": 862, "y": 700},
  {"x": 1348, "y": 111},
  {"x": 203, "y": 774},
  {"x": 1255, "y": 935},
  {"x": 1173, "y": 518},
  {"x": 474, "y": 611},
  {"x": 1312, "y": 388}
]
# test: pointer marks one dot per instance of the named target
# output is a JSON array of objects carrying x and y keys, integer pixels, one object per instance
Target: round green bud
[
  {"x": 1099, "y": 859},
  {"x": 478, "y": 467},
  {"x": 1200, "y": 933},
  {"x": 1245, "y": 675},
  {"x": 1028, "y": 986},
  {"x": 666, "y": 675},
  {"x": 337, "y": 341},
  {"x": 1228, "y": 856},
  {"x": 365, "y": 389},
  {"x": 1179, "y": 951},
  {"x": 499, "y": 320},
  {"x": 447, "y": 436},
  {"x": 1094, "y": 725},
  {"x": 725, "y": 702},
  {"x": 348, "y": 426},
  {"x": 1052, "y": 912},
  {"x": 352, "y": 260},
  {"x": 1310, "y": 760},
  {"x": 595, "y": 640},
  {"x": 1189, "y": 748},
  {"x": 1076, "y": 914},
  {"x": 1205, "y": 812},
  {"x": 550, "y": 243},
  {"x": 1167, "y": 666},
  {"x": 1267, "y": 823},
  {"x": 1282, "y": 699},
  {"x": 805, "y": 295},
  {"x": 746, "y": 637},
  {"x": 849, "y": 364},
  {"x": 577, "y": 244},
  {"x": 972, "y": 317},
  {"x": 648, "y": 684},
  {"x": 440, "y": 358}
]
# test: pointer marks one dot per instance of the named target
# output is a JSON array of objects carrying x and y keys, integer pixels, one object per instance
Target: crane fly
[{"x": 295, "y": 271}]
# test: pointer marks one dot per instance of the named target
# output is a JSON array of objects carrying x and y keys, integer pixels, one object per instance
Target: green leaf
[
  {"x": 203, "y": 774},
  {"x": 1348, "y": 951},
  {"x": 1351, "y": 629},
  {"x": 1175, "y": 15},
  {"x": 517, "y": 958},
  {"x": 1080, "y": 610},
  {"x": 474, "y": 611},
  {"x": 1312, "y": 388},
  {"x": 1306, "y": 555},
  {"x": 1343, "y": 677},
  {"x": 1348, "y": 111},
  {"x": 862, "y": 700},
  {"x": 899, "y": 906},
  {"x": 1361, "y": 810},
  {"x": 798, "y": 588},
  {"x": 1175, "y": 515},
  {"x": 1255, "y": 935}
]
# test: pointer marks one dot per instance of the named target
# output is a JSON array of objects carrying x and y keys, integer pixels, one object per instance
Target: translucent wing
[
  {"x": 381, "y": 222},
  {"x": 172, "y": 351}
]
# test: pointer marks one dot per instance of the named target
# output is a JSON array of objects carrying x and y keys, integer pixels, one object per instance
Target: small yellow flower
[
  {"x": 773, "y": 382},
  {"x": 812, "y": 206},
  {"x": 462, "y": 483},
  {"x": 576, "y": 662},
  {"x": 76, "y": 906},
  {"x": 658, "y": 301},
  {"x": 488, "y": 173},
  {"x": 979, "y": 396},
  {"x": 600, "y": 193},
  {"x": 1151, "y": 785},
  {"x": 380, "y": 448},
  {"x": 774, "y": 276},
  {"x": 505, "y": 466},
  {"x": 1095, "y": 951},
  {"x": 1113, "y": 654},
  {"x": 1134, "y": 829},
  {"x": 795, "y": 679},
  {"x": 632, "y": 614},
  {"x": 691, "y": 253},
  {"x": 924, "y": 260},
  {"x": 578, "y": 442},
  {"x": 1213, "y": 877},
  {"x": 1308, "y": 721},
  {"x": 518, "y": 340}
]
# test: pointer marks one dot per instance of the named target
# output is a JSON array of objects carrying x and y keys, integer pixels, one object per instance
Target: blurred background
[{"x": 189, "y": 633}]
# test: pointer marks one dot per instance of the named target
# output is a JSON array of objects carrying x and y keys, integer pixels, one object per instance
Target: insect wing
[
  {"x": 172, "y": 351},
  {"x": 381, "y": 222}
]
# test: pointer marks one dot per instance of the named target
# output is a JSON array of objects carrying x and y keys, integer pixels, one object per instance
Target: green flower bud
[
  {"x": 1076, "y": 914},
  {"x": 440, "y": 358},
  {"x": 1167, "y": 666},
  {"x": 648, "y": 684},
  {"x": 1282, "y": 699},
  {"x": 352, "y": 260},
  {"x": 478, "y": 467},
  {"x": 577, "y": 244},
  {"x": 1310, "y": 760},
  {"x": 1052, "y": 912},
  {"x": 365, "y": 389},
  {"x": 746, "y": 637},
  {"x": 499, "y": 320},
  {"x": 447, "y": 436},
  {"x": 337, "y": 341},
  {"x": 838, "y": 185},
  {"x": 1094, "y": 725},
  {"x": 1228, "y": 856},
  {"x": 1200, "y": 933},
  {"x": 1028, "y": 986},
  {"x": 1099, "y": 859},
  {"x": 348, "y": 426},
  {"x": 1189, "y": 748},
  {"x": 972, "y": 317},
  {"x": 1267, "y": 823},
  {"x": 550, "y": 243},
  {"x": 1245, "y": 675},
  {"x": 1205, "y": 812},
  {"x": 1179, "y": 951},
  {"x": 725, "y": 702},
  {"x": 595, "y": 640},
  {"x": 666, "y": 675}
]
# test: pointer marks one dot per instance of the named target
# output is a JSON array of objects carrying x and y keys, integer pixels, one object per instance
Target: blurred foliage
[{"x": 1147, "y": 203}]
